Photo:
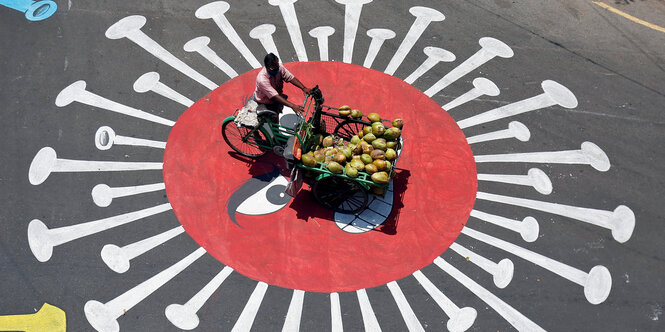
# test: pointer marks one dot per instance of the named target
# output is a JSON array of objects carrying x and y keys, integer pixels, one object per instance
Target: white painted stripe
[
  {"x": 118, "y": 258},
  {"x": 293, "y": 316},
  {"x": 502, "y": 271},
  {"x": 490, "y": 48},
  {"x": 481, "y": 87},
  {"x": 553, "y": 94},
  {"x": 248, "y": 314},
  {"x": 42, "y": 239},
  {"x": 150, "y": 82},
  {"x": 130, "y": 28},
  {"x": 369, "y": 319},
  {"x": 512, "y": 316},
  {"x": 264, "y": 33},
  {"x": 409, "y": 316},
  {"x": 515, "y": 130},
  {"x": 184, "y": 316},
  {"x": 77, "y": 92},
  {"x": 46, "y": 161},
  {"x": 597, "y": 283},
  {"x": 535, "y": 178},
  {"x": 352, "y": 10},
  {"x": 200, "y": 45},
  {"x": 321, "y": 34},
  {"x": 105, "y": 138},
  {"x": 621, "y": 221},
  {"x": 527, "y": 228},
  {"x": 424, "y": 16},
  {"x": 434, "y": 56},
  {"x": 378, "y": 37},
  {"x": 215, "y": 10},
  {"x": 336, "y": 313},
  {"x": 291, "y": 20},
  {"x": 588, "y": 154},
  {"x": 104, "y": 316},
  {"x": 103, "y": 195},
  {"x": 460, "y": 319}
]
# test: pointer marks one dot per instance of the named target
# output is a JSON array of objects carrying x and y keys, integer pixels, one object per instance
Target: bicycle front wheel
[{"x": 240, "y": 140}]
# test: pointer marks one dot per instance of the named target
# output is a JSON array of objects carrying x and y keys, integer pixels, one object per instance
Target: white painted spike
[
  {"x": 434, "y": 56},
  {"x": 588, "y": 154},
  {"x": 528, "y": 228},
  {"x": 184, "y": 316},
  {"x": 352, "y": 10},
  {"x": 105, "y": 138},
  {"x": 553, "y": 94},
  {"x": 248, "y": 314},
  {"x": 150, "y": 82},
  {"x": 490, "y": 48},
  {"x": 46, "y": 162},
  {"x": 502, "y": 272},
  {"x": 263, "y": 33},
  {"x": 597, "y": 283},
  {"x": 378, "y": 37},
  {"x": 335, "y": 313},
  {"x": 103, "y": 195},
  {"x": 215, "y": 11},
  {"x": 621, "y": 221},
  {"x": 104, "y": 316},
  {"x": 76, "y": 92},
  {"x": 291, "y": 20},
  {"x": 535, "y": 178},
  {"x": 369, "y": 318},
  {"x": 481, "y": 87},
  {"x": 424, "y": 16},
  {"x": 118, "y": 258},
  {"x": 515, "y": 130},
  {"x": 293, "y": 316},
  {"x": 130, "y": 28},
  {"x": 512, "y": 316},
  {"x": 42, "y": 240},
  {"x": 200, "y": 45},
  {"x": 321, "y": 34}
]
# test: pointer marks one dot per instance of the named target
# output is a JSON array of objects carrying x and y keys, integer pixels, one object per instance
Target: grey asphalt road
[{"x": 614, "y": 66}]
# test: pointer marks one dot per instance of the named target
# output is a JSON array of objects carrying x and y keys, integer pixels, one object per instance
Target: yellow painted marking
[
  {"x": 48, "y": 318},
  {"x": 630, "y": 17}
]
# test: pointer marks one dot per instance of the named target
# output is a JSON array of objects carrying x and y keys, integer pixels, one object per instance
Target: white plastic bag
[{"x": 247, "y": 115}]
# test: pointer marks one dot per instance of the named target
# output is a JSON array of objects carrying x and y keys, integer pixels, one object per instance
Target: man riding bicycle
[{"x": 269, "y": 86}]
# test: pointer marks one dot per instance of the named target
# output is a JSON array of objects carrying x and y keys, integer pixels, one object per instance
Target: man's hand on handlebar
[
  {"x": 307, "y": 91},
  {"x": 298, "y": 108}
]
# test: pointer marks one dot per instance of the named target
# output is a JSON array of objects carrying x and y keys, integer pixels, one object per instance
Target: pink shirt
[{"x": 270, "y": 86}]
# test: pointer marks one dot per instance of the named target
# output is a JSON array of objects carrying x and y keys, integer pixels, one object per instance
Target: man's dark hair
[{"x": 270, "y": 58}]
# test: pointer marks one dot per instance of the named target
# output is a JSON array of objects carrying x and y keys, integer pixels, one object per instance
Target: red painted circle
[{"x": 299, "y": 246}]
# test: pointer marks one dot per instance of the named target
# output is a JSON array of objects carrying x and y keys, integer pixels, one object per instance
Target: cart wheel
[
  {"x": 340, "y": 194},
  {"x": 233, "y": 135},
  {"x": 349, "y": 128}
]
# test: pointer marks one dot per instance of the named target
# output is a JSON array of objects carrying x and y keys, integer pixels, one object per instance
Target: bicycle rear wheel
[
  {"x": 239, "y": 139},
  {"x": 340, "y": 194}
]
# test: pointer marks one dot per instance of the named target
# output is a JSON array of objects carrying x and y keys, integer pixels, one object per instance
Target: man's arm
[
  {"x": 281, "y": 100},
  {"x": 295, "y": 81}
]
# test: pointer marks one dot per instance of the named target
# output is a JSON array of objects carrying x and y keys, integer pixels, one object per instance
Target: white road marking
[
  {"x": 150, "y": 82},
  {"x": 335, "y": 313},
  {"x": 515, "y": 130},
  {"x": 502, "y": 272},
  {"x": 512, "y": 316},
  {"x": 291, "y": 20},
  {"x": 535, "y": 178},
  {"x": 42, "y": 240},
  {"x": 597, "y": 283},
  {"x": 553, "y": 94},
  {"x": 184, "y": 316},
  {"x": 460, "y": 319},
  {"x": 481, "y": 87},
  {"x": 321, "y": 34},
  {"x": 130, "y": 28},
  {"x": 215, "y": 11},
  {"x": 264, "y": 33},
  {"x": 528, "y": 228},
  {"x": 200, "y": 45},
  {"x": 46, "y": 161},
  {"x": 424, "y": 16},
  {"x": 412, "y": 323},
  {"x": 104, "y": 316},
  {"x": 248, "y": 314},
  {"x": 118, "y": 258},
  {"x": 434, "y": 56},
  {"x": 369, "y": 318},
  {"x": 378, "y": 37},
  {"x": 490, "y": 48},
  {"x": 621, "y": 221},
  {"x": 103, "y": 195},
  {"x": 352, "y": 10},
  {"x": 588, "y": 154},
  {"x": 292, "y": 321},
  {"x": 77, "y": 92},
  {"x": 105, "y": 138}
]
